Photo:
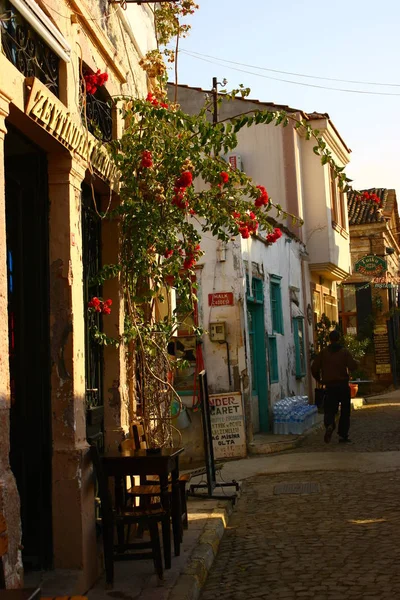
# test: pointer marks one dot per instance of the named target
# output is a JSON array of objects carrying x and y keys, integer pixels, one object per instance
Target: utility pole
[{"x": 215, "y": 100}]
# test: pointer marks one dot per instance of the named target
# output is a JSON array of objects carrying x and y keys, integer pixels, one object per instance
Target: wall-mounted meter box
[{"x": 218, "y": 331}]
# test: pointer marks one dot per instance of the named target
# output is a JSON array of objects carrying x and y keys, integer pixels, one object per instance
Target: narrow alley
[{"x": 322, "y": 533}]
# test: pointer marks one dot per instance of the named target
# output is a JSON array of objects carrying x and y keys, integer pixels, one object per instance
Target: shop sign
[
  {"x": 383, "y": 369},
  {"x": 371, "y": 265},
  {"x": 51, "y": 114},
  {"x": 382, "y": 351},
  {"x": 220, "y": 299},
  {"x": 379, "y": 329},
  {"x": 227, "y": 425}
]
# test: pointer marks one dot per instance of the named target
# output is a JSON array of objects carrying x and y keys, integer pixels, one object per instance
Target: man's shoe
[
  {"x": 345, "y": 440},
  {"x": 328, "y": 434}
]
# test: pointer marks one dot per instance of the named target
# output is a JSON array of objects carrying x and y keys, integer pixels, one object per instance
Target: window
[
  {"x": 298, "y": 328},
  {"x": 26, "y": 49},
  {"x": 330, "y": 307},
  {"x": 273, "y": 359},
  {"x": 347, "y": 309},
  {"x": 276, "y": 304},
  {"x": 257, "y": 292}
]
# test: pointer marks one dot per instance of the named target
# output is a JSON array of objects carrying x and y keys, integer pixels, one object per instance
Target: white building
[{"x": 272, "y": 295}]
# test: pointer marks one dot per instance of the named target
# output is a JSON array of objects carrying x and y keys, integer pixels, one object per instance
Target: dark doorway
[{"x": 27, "y": 229}]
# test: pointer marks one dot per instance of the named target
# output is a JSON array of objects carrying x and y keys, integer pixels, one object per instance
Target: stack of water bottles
[{"x": 294, "y": 415}]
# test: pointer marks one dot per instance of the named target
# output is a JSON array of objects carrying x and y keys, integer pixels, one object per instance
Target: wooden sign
[
  {"x": 220, "y": 299},
  {"x": 382, "y": 353},
  {"x": 371, "y": 265},
  {"x": 227, "y": 425}
]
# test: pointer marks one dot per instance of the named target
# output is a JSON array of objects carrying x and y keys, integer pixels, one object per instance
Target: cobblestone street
[
  {"x": 373, "y": 428},
  {"x": 339, "y": 542}
]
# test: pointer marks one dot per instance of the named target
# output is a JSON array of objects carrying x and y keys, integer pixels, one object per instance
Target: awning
[{"x": 44, "y": 27}]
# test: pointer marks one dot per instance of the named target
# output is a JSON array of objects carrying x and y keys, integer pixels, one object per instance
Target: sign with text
[
  {"x": 227, "y": 425},
  {"x": 382, "y": 354},
  {"x": 51, "y": 114},
  {"x": 372, "y": 265},
  {"x": 220, "y": 299}
]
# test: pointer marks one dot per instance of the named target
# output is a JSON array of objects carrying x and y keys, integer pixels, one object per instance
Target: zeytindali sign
[
  {"x": 44, "y": 108},
  {"x": 371, "y": 265}
]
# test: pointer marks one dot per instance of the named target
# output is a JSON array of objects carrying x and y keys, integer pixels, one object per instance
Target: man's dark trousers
[{"x": 335, "y": 395}]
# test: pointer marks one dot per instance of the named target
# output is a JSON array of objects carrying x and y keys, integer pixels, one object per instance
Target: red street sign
[{"x": 220, "y": 299}]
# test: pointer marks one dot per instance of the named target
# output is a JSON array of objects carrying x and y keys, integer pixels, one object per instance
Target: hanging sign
[
  {"x": 371, "y": 265},
  {"x": 227, "y": 425}
]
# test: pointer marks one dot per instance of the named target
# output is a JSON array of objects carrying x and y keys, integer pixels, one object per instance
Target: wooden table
[{"x": 162, "y": 464}]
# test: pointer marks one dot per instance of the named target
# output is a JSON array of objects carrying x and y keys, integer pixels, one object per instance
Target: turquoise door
[{"x": 258, "y": 360}]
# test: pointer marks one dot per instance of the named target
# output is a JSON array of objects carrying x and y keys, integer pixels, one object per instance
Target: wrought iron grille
[
  {"x": 25, "y": 48},
  {"x": 98, "y": 111},
  {"x": 91, "y": 234},
  {"x": 99, "y": 116}
]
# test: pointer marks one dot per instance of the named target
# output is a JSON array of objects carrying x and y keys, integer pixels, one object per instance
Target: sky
[{"x": 345, "y": 39}]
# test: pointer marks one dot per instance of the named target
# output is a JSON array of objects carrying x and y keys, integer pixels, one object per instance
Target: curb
[
  {"x": 194, "y": 575},
  {"x": 281, "y": 446}
]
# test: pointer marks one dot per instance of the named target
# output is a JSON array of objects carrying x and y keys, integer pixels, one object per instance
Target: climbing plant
[{"x": 174, "y": 187}]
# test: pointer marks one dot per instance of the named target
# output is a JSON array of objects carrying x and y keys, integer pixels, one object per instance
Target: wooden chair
[
  {"x": 118, "y": 516},
  {"x": 140, "y": 442}
]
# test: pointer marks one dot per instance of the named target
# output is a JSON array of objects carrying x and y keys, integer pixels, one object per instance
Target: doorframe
[
  {"x": 44, "y": 438},
  {"x": 255, "y": 304}
]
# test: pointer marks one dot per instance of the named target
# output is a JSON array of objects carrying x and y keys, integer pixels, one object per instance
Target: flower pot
[{"x": 353, "y": 389}]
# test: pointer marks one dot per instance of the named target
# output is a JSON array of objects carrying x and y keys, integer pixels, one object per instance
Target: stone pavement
[{"x": 340, "y": 542}]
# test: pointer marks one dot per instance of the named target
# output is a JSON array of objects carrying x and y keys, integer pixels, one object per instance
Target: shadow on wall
[{"x": 192, "y": 441}]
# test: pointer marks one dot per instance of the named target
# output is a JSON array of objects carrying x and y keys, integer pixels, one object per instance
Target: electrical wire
[
  {"x": 311, "y": 85},
  {"x": 292, "y": 73}
]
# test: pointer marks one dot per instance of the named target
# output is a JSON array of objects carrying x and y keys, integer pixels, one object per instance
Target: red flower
[
  {"x": 185, "y": 180},
  {"x": 94, "y": 302},
  {"x": 168, "y": 253},
  {"x": 147, "y": 159},
  {"x": 106, "y": 309},
  {"x": 164, "y": 105},
  {"x": 262, "y": 199},
  {"x": 274, "y": 235},
  {"x": 192, "y": 211},
  {"x": 108, "y": 302},
  {"x": 224, "y": 176},
  {"x": 189, "y": 262},
  {"x": 235, "y": 214},
  {"x": 244, "y": 231},
  {"x": 94, "y": 81},
  {"x": 152, "y": 99}
]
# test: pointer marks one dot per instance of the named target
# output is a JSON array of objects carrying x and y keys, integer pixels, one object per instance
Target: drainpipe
[{"x": 307, "y": 333}]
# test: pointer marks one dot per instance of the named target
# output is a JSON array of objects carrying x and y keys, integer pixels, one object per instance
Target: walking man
[{"x": 331, "y": 367}]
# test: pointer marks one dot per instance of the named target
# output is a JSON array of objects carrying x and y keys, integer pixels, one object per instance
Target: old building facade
[
  {"x": 369, "y": 299},
  {"x": 56, "y": 389},
  {"x": 265, "y": 296}
]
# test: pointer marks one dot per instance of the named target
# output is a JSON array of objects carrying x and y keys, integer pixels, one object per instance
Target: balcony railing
[{"x": 26, "y": 50}]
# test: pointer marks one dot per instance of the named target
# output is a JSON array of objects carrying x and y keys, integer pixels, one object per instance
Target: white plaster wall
[
  {"x": 260, "y": 147},
  {"x": 216, "y": 276},
  {"x": 141, "y": 22},
  {"x": 282, "y": 259},
  {"x": 324, "y": 244}
]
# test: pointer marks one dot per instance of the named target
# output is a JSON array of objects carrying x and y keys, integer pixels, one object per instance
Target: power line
[
  {"x": 312, "y": 85},
  {"x": 291, "y": 73}
]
